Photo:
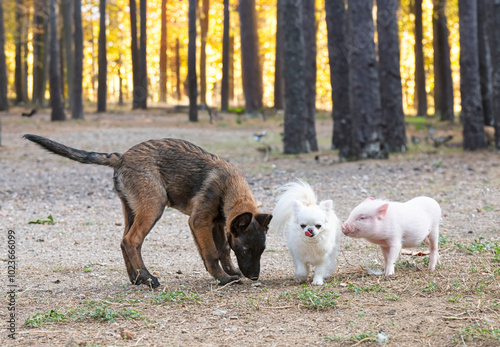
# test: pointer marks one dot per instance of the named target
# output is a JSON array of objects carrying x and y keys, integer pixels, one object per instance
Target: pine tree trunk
[
  {"x": 19, "y": 70},
  {"x": 224, "y": 102},
  {"x": 339, "y": 74},
  {"x": 393, "y": 119},
  {"x": 4, "y": 103},
  {"x": 163, "y": 52},
  {"x": 278, "y": 64},
  {"x": 67, "y": 30},
  {"x": 443, "y": 83},
  {"x": 470, "y": 89},
  {"x": 495, "y": 34},
  {"x": 203, "y": 54},
  {"x": 420, "y": 91},
  {"x": 364, "y": 89},
  {"x": 485, "y": 69},
  {"x": 295, "y": 133},
  {"x": 40, "y": 34},
  {"x": 178, "y": 69},
  {"x": 143, "y": 68},
  {"x": 309, "y": 31},
  {"x": 54, "y": 72},
  {"x": 77, "y": 106},
  {"x": 137, "y": 92},
  {"x": 192, "y": 78},
  {"x": 102, "y": 87},
  {"x": 231, "y": 67},
  {"x": 250, "y": 65}
]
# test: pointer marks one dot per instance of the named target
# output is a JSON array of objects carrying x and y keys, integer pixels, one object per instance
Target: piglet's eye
[
  {"x": 362, "y": 218},
  {"x": 318, "y": 226},
  {"x": 303, "y": 226}
]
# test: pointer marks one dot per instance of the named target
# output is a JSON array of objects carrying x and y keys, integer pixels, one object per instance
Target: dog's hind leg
[
  {"x": 128, "y": 215},
  {"x": 223, "y": 249}
]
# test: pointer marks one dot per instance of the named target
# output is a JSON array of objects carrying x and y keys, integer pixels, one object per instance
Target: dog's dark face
[{"x": 247, "y": 239}]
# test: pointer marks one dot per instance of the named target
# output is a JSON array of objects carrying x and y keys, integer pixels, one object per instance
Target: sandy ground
[{"x": 72, "y": 287}]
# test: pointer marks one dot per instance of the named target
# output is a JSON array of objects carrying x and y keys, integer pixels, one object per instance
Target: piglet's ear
[
  {"x": 382, "y": 210},
  {"x": 370, "y": 198}
]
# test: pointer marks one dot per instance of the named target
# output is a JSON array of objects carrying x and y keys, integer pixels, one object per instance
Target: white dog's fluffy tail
[{"x": 288, "y": 194}]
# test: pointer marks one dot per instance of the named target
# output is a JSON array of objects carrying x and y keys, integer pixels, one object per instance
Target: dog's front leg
[
  {"x": 201, "y": 227},
  {"x": 223, "y": 249}
]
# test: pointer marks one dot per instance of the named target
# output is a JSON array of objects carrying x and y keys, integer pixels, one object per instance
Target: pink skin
[{"x": 393, "y": 225}]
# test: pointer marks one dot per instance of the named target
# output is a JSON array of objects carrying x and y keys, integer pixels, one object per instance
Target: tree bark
[
  {"x": 309, "y": 31},
  {"x": 250, "y": 65},
  {"x": 278, "y": 63},
  {"x": 339, "y": 74},
  {"x": 40, "y": 35},
  {"x": 443, "y": 83},
  {"x": 203, "y": 54},
  {"x": 67, "y": 29},
  {"x": 137, "y": 93},
  {"x": 77, "y": 106},
  {"x": 143, "y": 68},
  {"x": 20, "y": 79},
  {"x": 177, "y": 69},
  {"x": 56, "y": 102},
  {"x": 295, "y": 133},
  {"x": 364, "y": 90},
  {"x": 4, "y": 103},
  {"x": 163, "y": 52},
  {"x": 485, "y": 69},
  {"x": 393, "y": 118},
  {"x": 470, "y": 89},
  {"x": 224, "y": 102},
  {"x": 496, "y": 72},
  {"x": 420, "y": 91},
  {"x": 192, "y": 78},
  {"x": 102, "y": 87}
]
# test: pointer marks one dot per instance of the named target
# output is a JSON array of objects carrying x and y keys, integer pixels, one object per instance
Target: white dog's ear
[
  {"x": 326, "y": 205},
  {"x": 297, "y": 206}
]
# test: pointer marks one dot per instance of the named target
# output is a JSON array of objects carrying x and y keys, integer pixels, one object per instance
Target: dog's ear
[
  {"x": 297, "y": 206},
  {"x": 264, "y": 219},
  {"x": 241, "y": 222},
  {"x": 326, "y": 205}
]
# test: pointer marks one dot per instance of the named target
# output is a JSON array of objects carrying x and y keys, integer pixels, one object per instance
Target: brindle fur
[{"x": 175, "y": 173}]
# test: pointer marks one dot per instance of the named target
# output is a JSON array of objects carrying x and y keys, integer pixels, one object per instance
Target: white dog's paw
[
  {"x": 317, "y": 282},
  {"x": 301, "y": 279}
]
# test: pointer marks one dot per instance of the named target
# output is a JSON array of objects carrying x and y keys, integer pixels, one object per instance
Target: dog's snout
[{"x": 310, "y": 230}]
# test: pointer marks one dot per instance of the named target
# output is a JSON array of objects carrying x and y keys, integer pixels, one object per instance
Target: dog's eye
[
  {"x": 244, "y": 253},
  {"x": 303, "y": 226},
  {"x": 318, "y": 226}
]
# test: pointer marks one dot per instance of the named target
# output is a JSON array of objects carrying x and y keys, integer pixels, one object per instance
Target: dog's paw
[
  {"x": 230, "y": 279},
  {"x": 144, "y": 277},
  {"x": 317, "y": 282}
]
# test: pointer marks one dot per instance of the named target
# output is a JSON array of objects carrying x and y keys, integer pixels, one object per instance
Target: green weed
[
  {"x": 316, "y": 300},
  {"x": 46, "y": 318},
  {"x": 48, "y": 220}
]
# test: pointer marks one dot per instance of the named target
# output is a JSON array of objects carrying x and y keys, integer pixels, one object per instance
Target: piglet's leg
[
  {"x": 433, "y": 242},
  {"x": 390, "y": 256}
]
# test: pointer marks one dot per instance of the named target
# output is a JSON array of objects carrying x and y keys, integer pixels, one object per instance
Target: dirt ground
[{"x": 72, "y": 288}]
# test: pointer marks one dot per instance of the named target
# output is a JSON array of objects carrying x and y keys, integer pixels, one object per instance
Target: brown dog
[{"x": 171, "y": 172}]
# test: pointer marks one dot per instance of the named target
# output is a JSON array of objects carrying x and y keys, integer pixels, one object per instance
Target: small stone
[{"x": 219, "y": 312}]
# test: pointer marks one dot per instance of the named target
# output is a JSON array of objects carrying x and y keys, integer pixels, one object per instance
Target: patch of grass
[
  {"x": 364, "y": 336},
  {"x": 481, "y": 246},
  {"x": 48, "y": 220},
  {"x": 52, "y": 317},
  {"x": 431, "y": 287},
  {"x": 443, "y": 240},
  {"x": 365, "y": 289},
  {"x": 478, "y": 331},
  {"x": 315, "y": 299},
  {"x": 393, "y": 297},
  {"x": 177, "y": 296}
]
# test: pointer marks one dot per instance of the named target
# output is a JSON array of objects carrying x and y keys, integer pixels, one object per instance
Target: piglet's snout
[{"x": 346, "y": 228}]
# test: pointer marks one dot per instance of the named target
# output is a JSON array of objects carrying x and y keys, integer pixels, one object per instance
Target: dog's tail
[
  {"x": 288, "y": 194},
  {"x": 107, "y": 159}
]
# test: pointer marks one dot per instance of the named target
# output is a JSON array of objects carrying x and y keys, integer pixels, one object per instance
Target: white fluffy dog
[{"x": 311, "y": 231}]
